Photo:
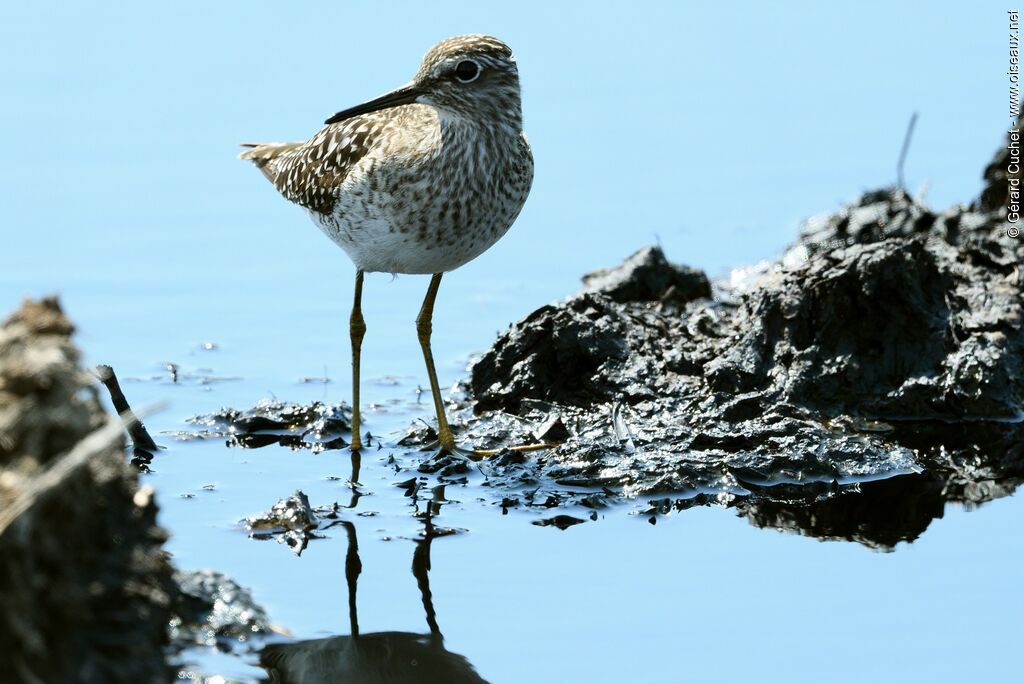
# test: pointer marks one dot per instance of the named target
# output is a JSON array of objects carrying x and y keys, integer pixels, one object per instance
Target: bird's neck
[{"x": 457, "y": 128}]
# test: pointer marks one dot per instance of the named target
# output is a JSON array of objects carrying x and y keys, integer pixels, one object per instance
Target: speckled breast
[{"x": 436, "y": 210}]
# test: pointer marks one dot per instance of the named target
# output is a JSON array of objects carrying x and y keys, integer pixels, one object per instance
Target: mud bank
[
  {"x": 87, "y": 588},
  {"x": 89, "y": 594},
  {"x": 887, "y": 343}
]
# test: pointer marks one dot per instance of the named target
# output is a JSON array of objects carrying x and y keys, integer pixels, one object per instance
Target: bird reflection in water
[{"x": 393, "y": 657}]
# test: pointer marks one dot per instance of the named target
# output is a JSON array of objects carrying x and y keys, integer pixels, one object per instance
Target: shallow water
[
  {"x": 699, "y": 594},
  {"x": 121, "y": 192}
]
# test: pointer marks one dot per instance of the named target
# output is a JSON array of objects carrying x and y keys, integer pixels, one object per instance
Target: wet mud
[
  {"x": 212, "y": 610},
  {"x": 847, "y": 390},
  {"x": 316, "y": 426},
  {"x": 293, "y": 522},
  {"x": 89, "y": 594},
  {"x": 84, "y": 575}
]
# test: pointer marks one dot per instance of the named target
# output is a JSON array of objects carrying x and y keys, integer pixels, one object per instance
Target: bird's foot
[{"x": 438, "y": 450}]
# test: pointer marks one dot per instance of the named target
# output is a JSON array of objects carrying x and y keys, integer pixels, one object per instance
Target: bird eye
[{"x": 467, "y": 70}]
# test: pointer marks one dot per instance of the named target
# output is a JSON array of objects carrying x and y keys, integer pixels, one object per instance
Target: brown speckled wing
[{"x": 311, "y": 174}]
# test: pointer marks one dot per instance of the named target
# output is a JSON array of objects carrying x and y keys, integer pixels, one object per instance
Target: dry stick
[
  {"x": 136, "y": 430},
  {"x": 903, "y": 152}
]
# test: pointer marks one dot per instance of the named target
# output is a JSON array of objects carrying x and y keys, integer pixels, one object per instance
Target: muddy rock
[
  {"x": 213, "y": 610},
  {"x": 922, "y": 327},
  {"x": 47, "y": 404},
  {"x": 316, "y": 425},
  {"x": 647, "y": 276},
  {"x": 87, "y": 588},
  {"x": 791, "y": 388},
  {"x": 292, "y": 521}
]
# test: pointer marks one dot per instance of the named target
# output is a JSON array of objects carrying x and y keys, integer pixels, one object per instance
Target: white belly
[
  {"x": 384, "y": 234},
  {"x": 375, "y": 244}
]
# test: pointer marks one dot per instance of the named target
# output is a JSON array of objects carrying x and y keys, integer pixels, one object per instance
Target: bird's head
[{"x": 471, "y": 77}]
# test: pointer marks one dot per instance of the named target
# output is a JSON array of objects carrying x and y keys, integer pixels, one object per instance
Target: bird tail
[{"x": 262, "y": 154}]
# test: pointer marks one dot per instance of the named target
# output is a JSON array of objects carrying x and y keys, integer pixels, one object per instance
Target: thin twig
[
  {"x": 903, "y": 152},
  {"x": 136, "y": 430}
]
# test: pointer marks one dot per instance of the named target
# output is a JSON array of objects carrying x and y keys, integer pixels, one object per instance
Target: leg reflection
[
  {"x": 421, "y": 571},
  {"x": 353, "y": 567},
  {"x": 377, "y": 656}
]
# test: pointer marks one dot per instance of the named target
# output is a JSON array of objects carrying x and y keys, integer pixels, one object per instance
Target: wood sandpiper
[{"x": 419, "y": 180}]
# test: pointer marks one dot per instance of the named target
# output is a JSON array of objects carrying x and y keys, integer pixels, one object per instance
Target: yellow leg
[
  {"x": 445, "y": 438},
  {"x": 423, "y": 330},
  {"x": 357, "y": 329}
]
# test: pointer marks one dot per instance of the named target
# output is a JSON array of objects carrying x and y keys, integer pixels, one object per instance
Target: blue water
[{"x": 713, "y": 130}]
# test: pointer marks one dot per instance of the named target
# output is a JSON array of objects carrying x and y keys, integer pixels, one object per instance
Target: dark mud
[
  {"x": 293, "y": 522},
  {"x": 212, "y": 610},
  {"x": 316, "y": 426},
  {"x": 89, "y": 594},
  {"x": 87, "y": 589},
  {"x": 847, "y": 390}
]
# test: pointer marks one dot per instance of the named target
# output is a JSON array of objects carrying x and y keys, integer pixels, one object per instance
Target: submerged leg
[
  {"x": 423, "y": 330},
  {"x": 357, "y": 328}
]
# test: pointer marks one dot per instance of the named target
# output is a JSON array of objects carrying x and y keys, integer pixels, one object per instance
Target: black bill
[{"x": 404, "y": 95}]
